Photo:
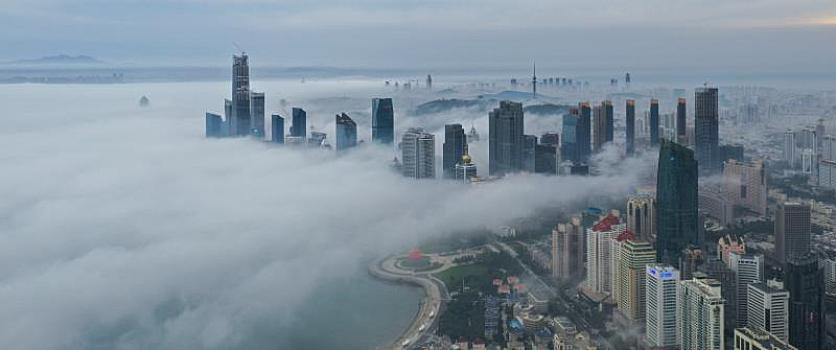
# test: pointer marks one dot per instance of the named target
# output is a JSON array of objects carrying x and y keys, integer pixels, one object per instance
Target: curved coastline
[{"x": 385, "y": 270}]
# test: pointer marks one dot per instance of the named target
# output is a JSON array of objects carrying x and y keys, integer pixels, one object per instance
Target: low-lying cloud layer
[{"x": 123, "y": 227}]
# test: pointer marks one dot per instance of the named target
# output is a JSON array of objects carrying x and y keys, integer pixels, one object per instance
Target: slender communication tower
[{"x": 534, "y": 81}]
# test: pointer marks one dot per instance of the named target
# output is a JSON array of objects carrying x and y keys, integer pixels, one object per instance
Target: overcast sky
[{"x": 757, "y": 34}]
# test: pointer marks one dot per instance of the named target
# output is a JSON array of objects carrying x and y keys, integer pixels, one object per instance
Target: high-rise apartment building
[
  {"x": 768, "y": 309},
  {"x": 757, "y": 339},
  {"x": 418, "y": 154},
  {"x": 661, "y": 325},
  {"x": 567, "y": 250},
  {"x": 701, "y": 314},
  {"x": 633, "y": 258},
  {"x": 601, "y": 248}
]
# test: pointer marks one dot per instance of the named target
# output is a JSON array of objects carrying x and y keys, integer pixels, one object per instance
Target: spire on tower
[{"x": 534, "y": 81}]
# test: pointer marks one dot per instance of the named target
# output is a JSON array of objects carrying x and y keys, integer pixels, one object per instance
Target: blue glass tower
[
  {"x": 568, "y": 140},
  {"x": 654, "y": 122},
  {"x": 455, "y": 146},
  {"x": 277, "y": 128},
  {"x": 298, "y": 128},
  {"x": 214, "y": 125},
  {"x": 630, "y": 112},
  {"x": 383, "y": 121},
  {"x": 584, "y": 132},
  {"x": 346, "y": 132},
  {"x": 676, "y": 202}
]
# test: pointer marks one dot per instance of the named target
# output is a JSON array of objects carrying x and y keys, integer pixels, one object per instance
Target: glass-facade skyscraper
[
  {"x": 505, "y": 141},
  {"x": 676, "y": 202},
  {"x": 383, "y": 121},
  {"x": 654, "y": 122},
  {"x": 297, "y": 129},
  {"x": 214, "y": 125},
  {"x": 346, "y": 132},
  {"x": 630, "y": 113},
  {"x": 584, "y": 132},
  {"x": 257, "y": 111},
  {"x": 277, "y": 129},
  {"x": 455, "y": 146},
  {"x": 240, "y": 122},
  {"x": 681, "y": 120},
  {"x": 804, "y": 279},
  {"x": 706, "y": 130},
  {"x": 568, "y": 142}
]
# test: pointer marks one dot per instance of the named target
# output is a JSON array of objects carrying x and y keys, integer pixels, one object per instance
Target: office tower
[
  {"x": 567, "y": 250},
  {"x": 690, "y": 261},
  {"x": 604, "y": 123},
  {"x": 676, "y": 202},
  {"x": 630, "y": 112},
  {"x": 654, "y": 122},
  {"x": 744, "y": 184},
  {"x": 534, "y": 81},
  {"x": 465, "y": 169},
  {"x": 701, "y": 314},
  {"x": 257, "y": 111},
  {"x": 730, "y": 244},
  {"x": 429, "y": 82},
  {"x": 827, "y": 164},
  {"x": 550, "y": 138},
  {"x": 569, "y": 141},
  {"x": 229, "y": 117},
  {"x": 529, "y": 153},
  {"x": 505, "y": 141},
  {"x": 792, "y": 230},
  {"x": 455, "y": 146},
  {"x": 829, "y": 267},
  {"x": 346, "y": 132},
  {"x": 633, "y": 258},
  {"x": 804, "y": 279},
  {"x": 681, "y": 121},
  {"x": 714, "y": 203},
  {"x": 277, "y": 128},
  {"x": 418, "y": 154},
  {"x": 584, "y": 132},
  {"x": 706, "y": 129},
  {"x": 214, "y": 125},
  {"x": 240, "y": 124},
  {"x": 808, "y": 161},
  {"x": 545, "y": 159},
  {"x": 600, "y": 253},
  {"x": 661, "y": 324},
  {"x": 383, "y": 121},
  {"x": 317, "y": 139},
  {"x": 641, "y": 216},
  {"x": 789, "y": 148},
  {"x": 768, "y": 309},
  {"x": 299, "y": 126},
  {"x": 757, "y": 339},
  {"x": 828, "y": 148},
  {"x": 748, "y": 269}
]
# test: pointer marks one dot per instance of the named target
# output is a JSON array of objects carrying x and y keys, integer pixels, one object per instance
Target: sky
[{"x": 689, "y": 34}]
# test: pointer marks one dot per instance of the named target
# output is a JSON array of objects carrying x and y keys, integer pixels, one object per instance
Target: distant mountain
[
  {"x": 59, "y": 59},
  {"x": 444, "y": 105}
]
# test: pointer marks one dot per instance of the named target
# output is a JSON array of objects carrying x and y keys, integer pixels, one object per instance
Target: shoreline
[{"x": 433, "y": 290}]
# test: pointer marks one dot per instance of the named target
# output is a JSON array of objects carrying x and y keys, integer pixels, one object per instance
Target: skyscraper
[
  {"x": 567, "y": 250},
  {"x": 229, "y": 117},
  {"x": 277, "y": 128},
  {"x": 601, "y": 240},
  {"x": 661, "y": 323},
  {"x": 804, "y": 279},
  {"x": 529, "y": 153},
  {"x": 641, "y": 216},
  {"x": 701, "y": 314},
  {"x": 534, "y": 81},
  {"x": 455, "y": 146},
  {"x": 744, "y": 184},
  {"x": 630, "y": 112},
  {"x": 346, "y": 132},
  {"x": 604, "y": 124},
  {"x": 654, "y": 122},
  {"x": 706, "y": 130},
  {"x": 240, "y": 124},
  {"x": 418, "y": 154},
  {"x": 676, "y": 202},
  {"x": 584, "y": 132},
  {"x": 299, "y": 126},
  {"x": 748, "y": 269},
  {"x": 257, "y": 110},
  {"x": 505, "y": 141},
  {"x": 768, "y": 309},
  {"x": 545, "y": 161},
  {"x": 214, "y": 125},
  {"x": 465, "y": 169},
  {"x": 756, "y": 339},
  {"x": 789, "y": 148},
  {"x": 681, "y": 121},
  {"x": 631, "y": 264},
  {"x": 383, "y": 121},
  {"x": 568, "y": 141},
  {"x": 792, "y": 230}
]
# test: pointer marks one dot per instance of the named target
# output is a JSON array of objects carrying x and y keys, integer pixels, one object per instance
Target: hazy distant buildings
[
  {"x": 418, "y": 154},
  {"x": 661, "y": 325},
  {"x": 789, "y": 148},
  {"x": 792, "y": 230},
  {"x": 745, "y": 185},
  {"x": 346, "y": 135},
  {"x": 505, "y": 143},
  {"x": 676, "y": 202},
  {"x": 257, "y": 110},
  {"x": 804, "y": 279},
  {"x": 630, "y": 112},
  {"x": 214, "y": 125},
  {"x": 768, "y": 309},
  {"x": 299, "y": 126},
  {"x": 383, "y": 121},
  {"x": 567, "y": 250},
  {"x": 654, "y": 122},
  {"x": 276, "y": 128},
  {"x": 706, "y": 129},
  {"x": 240, "y": 122},
  {"x": 827, "y": 164},
  {"x": 701, "y": 314},
  {"x": 641, "y": 216},
  {"x": 455, "y": 146}
]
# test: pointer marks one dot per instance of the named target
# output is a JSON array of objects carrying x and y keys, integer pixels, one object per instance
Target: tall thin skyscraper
[
  {"x": 529, "y": 153},
  {"x": 240, "y": 124},
  {"x": 584, "y": 132},
  {"x": 568, "y": 140},
  {"x": 676, "y": 202},
  {"x": 748, "y": 269},
  {"x": 346, "y": 132},
  {"x": 792, "y": 230},
  {"x": 455, "y": 146},
  {"x": 654, "y": 122},
  {"x": 505, "y": 141},
  {"x": 768, "y": 309},
  {"x": 257, "y": 111},
  {"x": 681, "y": 121},
  {"x": 383, "y": 121},
  {"x": 701, "y": 314},
  {"x": 804, "y": 279},
  {"x": 299, "y": 126},
  {"x": 661, "y": 315},
  {"x": 277, "y": 128},
  {"x": 567, "y": 250},
  {"x": 630, "y": 112},
  {"x": 604, "y": 124},
  {"x": 418, "y": 154},
  {"x": 706, "y": 130},
  {"x": 534, "y": 81}
]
